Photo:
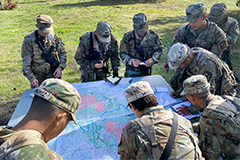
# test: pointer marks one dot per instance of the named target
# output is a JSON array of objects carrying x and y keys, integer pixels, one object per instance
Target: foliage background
[{"x": 73, "y": 18}]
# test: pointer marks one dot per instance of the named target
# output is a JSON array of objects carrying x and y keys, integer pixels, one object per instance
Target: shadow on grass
[{"x": 108, "y": 3}]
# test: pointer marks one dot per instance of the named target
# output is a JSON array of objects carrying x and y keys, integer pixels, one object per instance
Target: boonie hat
[
  {"x": 177, "y": 54},
  {"x": 138, "y": 90},
  {"x": 104, "y": 30},
  {"x": 45, "y": 23},
  {"x": 195, "y": 84},
  {"x": 60, "y": 93},
  {"x": 194, "y": 11},
  {"x": 217, "y": 12}
]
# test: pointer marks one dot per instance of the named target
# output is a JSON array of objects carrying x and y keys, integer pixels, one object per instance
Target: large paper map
[{"x": 101, "y": 118}]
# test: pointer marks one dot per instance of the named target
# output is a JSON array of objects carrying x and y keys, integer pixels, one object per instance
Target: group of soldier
[{"x": 197, "y": 55}]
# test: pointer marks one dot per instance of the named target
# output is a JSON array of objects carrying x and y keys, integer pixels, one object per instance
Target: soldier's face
[
  {"x": 42, "y": 34},
  {"x": 199, "y": 24},
  {"x": 185, "y": 63}
]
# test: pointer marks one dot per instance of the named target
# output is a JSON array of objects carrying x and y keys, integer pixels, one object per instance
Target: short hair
[
  {"x": 145, "y": 102},
  {"x": 43, "y": 109}
]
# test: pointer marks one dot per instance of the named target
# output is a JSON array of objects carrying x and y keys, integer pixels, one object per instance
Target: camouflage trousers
[
  {"x": 92, "y": 75},
  {"x": 136, "y": 72}
]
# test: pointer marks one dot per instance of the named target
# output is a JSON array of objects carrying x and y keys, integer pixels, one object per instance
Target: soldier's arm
[
  {"x": 26, "y": 54},
  {"x": 125, "y": 51},
  {"x": 220, "y": 43},
  {"x": 82, "y": 55},
  {"x": 114, "y": 55},
  {"x": 158, "y": 48},
  {"x": 62, "y": 54},
  {"x": 233, "y": 33}
]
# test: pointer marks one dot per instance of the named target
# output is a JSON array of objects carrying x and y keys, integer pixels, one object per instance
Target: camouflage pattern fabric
[
  {"x": 220, "y": 128},
  {"x": 34, "y": 65},
  {"x": 24, "y": 144},
  {"x": 83, "y": 57},
  {"x": 135, "y": 143},
  {"x": 151, "y": 45},
  {"x": 208, "y": 64},
  {"x": 211, "y": 38}
]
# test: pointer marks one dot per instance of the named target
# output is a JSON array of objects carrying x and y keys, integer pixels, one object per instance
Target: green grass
[{"x": 73, "y": 18}]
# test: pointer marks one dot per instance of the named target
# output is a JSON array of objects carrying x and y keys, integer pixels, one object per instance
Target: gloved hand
[{"x": 115, "y": 73}]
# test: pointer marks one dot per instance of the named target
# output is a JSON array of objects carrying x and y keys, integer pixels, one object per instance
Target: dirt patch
[{"x": 6, "y": 110}]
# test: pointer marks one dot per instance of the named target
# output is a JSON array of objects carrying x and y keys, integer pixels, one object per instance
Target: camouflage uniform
[
  {"x": 153, "y": 128},
  {"x": 229, "y": 25},
  {"x": 86, "y": 59},
  {"x": 211, "y": 38},
  {"x": 30, "y": 144},
  {"x": 34, "y": 66},
  {"x": 219, "y": 122},
  {"x": 24, "y": 144},
  {"x": 150, "y": 45}
]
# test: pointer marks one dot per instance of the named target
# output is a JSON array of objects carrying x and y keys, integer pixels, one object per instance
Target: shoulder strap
[{"x": 168, "y": 149}]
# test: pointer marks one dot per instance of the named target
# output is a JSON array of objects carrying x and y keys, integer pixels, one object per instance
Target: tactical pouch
[{"x": 41, "y": 69}]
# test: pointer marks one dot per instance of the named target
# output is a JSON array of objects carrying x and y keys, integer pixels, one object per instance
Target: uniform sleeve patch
[
  {"x": 208, "y": 75},
  {"x": 78, "y": 49},
  {"x": 176, "y": 33}
]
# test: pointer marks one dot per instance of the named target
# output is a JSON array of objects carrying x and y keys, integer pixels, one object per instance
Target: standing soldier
[
  {"x": 229, "y": 25},
  {"x": 219, "y": 121},
  {"x": 157, "y": 133},
  {"x": 93, "y": 52},
  {"x": 140, "y": 48},
  {"x": 43, "y": 53}
]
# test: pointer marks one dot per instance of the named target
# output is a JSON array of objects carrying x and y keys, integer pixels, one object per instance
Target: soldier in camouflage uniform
[
  {"x": 93, "y": 52},
  {"x": 147, "y": 136},
  {"x": 229, "y": 25},
  {"x": 140, "y": 48},
  {"x": 196, "y": 61},
  {"x": 54, "y": 105},
  {"x": 219, "y": 122},
  {"x": 43, "y": 53},
  {"x": 199, "y": 32}
]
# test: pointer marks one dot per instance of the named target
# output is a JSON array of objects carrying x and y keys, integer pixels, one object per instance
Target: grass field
[{"x": 73, "y": 18}]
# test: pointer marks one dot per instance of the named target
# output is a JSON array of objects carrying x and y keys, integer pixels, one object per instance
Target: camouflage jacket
[
  {"x": 211, "y": 38},
  {"x": 24, "y": 144},
  {"x": 32, "y": 60},
  {"x": 135, "y": 143},
  {"x": 230, "y": 26},
  {"x": 150, "y": 44},
  {"x": 220, "y": 128},
  {"x": 217, "y": 72},
  {"x": 83, "y": 54}
]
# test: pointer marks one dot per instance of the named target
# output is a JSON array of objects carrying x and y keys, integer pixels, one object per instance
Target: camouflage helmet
[
  {"x": 217, "y": 12},
  {"x": 45, "y": 23},
  {"x": 195, "y": 84},
  {"x": 177, "y": 54},
  {"x": 138, "y": 90},
  {"x": 104, "y": 30},
  {"x": 60, "y": 93},
  {"x": 194, "y": 11}
]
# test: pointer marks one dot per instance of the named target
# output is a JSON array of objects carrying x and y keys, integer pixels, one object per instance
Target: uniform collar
[{"x": 149, "y": 110}]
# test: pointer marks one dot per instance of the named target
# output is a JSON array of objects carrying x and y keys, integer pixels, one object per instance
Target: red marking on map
[
  {"x": 89, "y": 100},
  {"x": 111, "y": 127}
]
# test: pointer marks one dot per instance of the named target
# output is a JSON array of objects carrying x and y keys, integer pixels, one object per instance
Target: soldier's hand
[
  {"x": 183, "y": 110},
  {"x": 166, "y": 67},
  {"x": 34, "y": 83},
  {"x": 135, "y": 62},
  {"x": 99, "y": 65},
  {"x": 174, "y": 94},
  {"x": 115, "y": 73},
  {"x": 148, "y": 63},
  {"x": 58, "y": 73}
]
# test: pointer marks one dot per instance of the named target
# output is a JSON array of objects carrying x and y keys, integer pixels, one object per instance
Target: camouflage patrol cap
[
  {"x": 104, "y": 30},
  {"x": 138, "y": 90},
  {"x": 217, "y": 12},
  {"x": 45, "y": 23},
  {"x": 177, "y": 54},
  {"x": 60, "y": 93},
  {"x": 195, "y": 84},
  {"x": 139, "y": 19},
  {"x": 194, "y": 11}
]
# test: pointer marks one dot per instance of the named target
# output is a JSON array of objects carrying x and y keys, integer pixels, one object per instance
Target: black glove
[{"x": 115, "y": 73}]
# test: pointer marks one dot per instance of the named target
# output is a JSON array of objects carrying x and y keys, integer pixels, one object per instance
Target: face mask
[{"x": 50, "y": 36}]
